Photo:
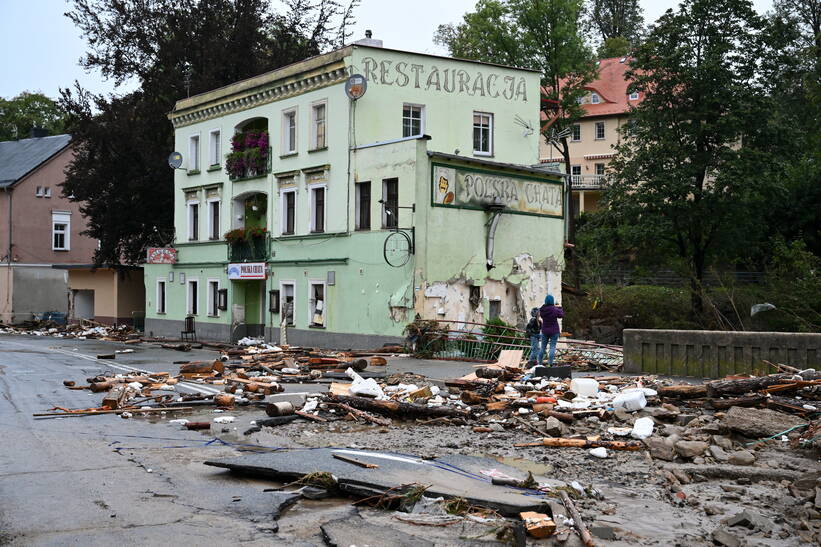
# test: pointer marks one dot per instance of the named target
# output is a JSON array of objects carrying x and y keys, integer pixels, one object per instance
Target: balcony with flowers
[{"x": 250, "y": 155}]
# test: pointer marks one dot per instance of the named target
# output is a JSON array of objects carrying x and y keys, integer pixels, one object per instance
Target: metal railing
[
  {"x": 588, "y": 182},
  {"x": 256, "y": 249}
]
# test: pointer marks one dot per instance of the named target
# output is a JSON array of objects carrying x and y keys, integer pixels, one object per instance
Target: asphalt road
[{"x": 104, "y": 480}]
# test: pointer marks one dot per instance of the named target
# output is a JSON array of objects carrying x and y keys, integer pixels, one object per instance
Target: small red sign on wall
[{"x": 161, "y": 255}]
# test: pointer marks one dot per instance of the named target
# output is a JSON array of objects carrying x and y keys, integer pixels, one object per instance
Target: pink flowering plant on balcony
[{"x": 249, "y": 154}]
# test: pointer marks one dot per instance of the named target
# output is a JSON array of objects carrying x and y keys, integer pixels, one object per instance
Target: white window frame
[
  {"x": 287, "y": 146},
  {"x": 421, "y": 108},
  {"x": 282, "y": 284},
  {"x": 213, "y": 235},
  {"x": 595, "y": 98},
  {"x": 47, "y": 191},
  {"x": 573, "y": 133},
  {"x": 489, "y": 115},
  {"x": 315, "y": 126},
  {"x": 214, "y": 147},
  {"x": 596, "y": 168},
  {"x": 575, "y": 168},
  {"x": 596, "y": 131},
  {"x": 312, "y": 189},
  {"x": 39, "y": 192},
  {"x": 61, "y": 217},
  {"x": 188, "y": 300},
  {"x": 634, "y": 96},
  {"x": 284, "y": 210},
  {"x": 312, "y": 303},
  {"x": 190, "y": 220},
  {"x": 161, "y": 296},
  {"x": 212, "y": 298},
  {"x": 385, "y": 215},
  {"x": 194, "y": 152}
]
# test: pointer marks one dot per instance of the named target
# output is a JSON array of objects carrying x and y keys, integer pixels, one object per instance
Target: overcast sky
[{"x": 39, "y": 47}]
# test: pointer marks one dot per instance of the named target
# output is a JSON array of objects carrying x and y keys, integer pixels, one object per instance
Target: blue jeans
[
  {"x": 534, "y": 348},
  {"x": 545, "y": 338}
]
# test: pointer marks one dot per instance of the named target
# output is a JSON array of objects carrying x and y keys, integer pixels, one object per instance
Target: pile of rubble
[
  {"x": 85, "y": 330},
  {"x": 690, "y": 433}
]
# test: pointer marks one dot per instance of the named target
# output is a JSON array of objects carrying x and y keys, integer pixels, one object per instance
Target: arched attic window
[{"x": 250, "y": 155}]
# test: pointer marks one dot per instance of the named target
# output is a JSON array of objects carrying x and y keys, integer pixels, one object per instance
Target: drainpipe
[
  {"x": 495, "y": 209},
  {"x": 8, "y": 256}
]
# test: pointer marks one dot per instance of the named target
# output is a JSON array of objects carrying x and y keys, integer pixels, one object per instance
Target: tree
[
  {"x": 687, "y": 168},
  {"x": 616, "y": 19},
  {"x": 19, "y": 115},
  {"x": 541, "y": 34},
  {"x": 617, "y": 46},
  {"x": 172, "y": 48}
]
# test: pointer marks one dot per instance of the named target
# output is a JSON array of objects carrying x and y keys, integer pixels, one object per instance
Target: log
[
  {"x": 396, "y": 408},
  {"x": 202, "y": 367},
  {"x": 587, "y": 539},
  {"x": 278, "y": 420},
  {"x": 309, "y": 416},
  {"x": 354, "y": 461},
  {"x": 116, "y": 397},
  {"x": 561, "y": 442},
  {"x": 195, "y": 426},
  {"x": 685, "y": 391},
  {"x": 734, "y": 472},
  {"x": 561, "y": 416},
  {"x": 224, "y": 399},
  {"x": 721, "y": 388},
  {"x": 364, "y": 415},
  {"x": 723, "y": 404}
]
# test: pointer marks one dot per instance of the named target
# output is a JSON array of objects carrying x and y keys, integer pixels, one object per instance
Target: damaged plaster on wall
[{"x": 523, "y": 288}]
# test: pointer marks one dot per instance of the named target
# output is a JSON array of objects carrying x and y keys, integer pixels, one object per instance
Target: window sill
[
  {"x": 368, "y": 229},
  {"x": 61, "y": 250},
  {"x": 215, "y": 167},
  {"x": 161, "y": 313},
  {"x": 213, "y": 316},
  {"x": 193, "y": 172},
  {"x": 483, "y": 154},
  {"x": 317, "y": 231},
  {"x": 288, "y": 155},
  {"x": 320, "y": 149},
  {"x": 321, "y": 327}
]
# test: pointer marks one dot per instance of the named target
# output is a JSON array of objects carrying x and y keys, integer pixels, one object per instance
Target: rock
[
  {"x": 713, "y": 510},
  {"x": 808, "y": 481},
  {"x": 659, "y": 449},
  {"x": 718, "y": 453},
  {"x": 756, "y": 423},
  {"x": 723, "y": 537},
  {"x": 553, "y": 427},
  {"x": 741, "y": 457},
  {"x": 713, "y": 428},
  {"x": 669, "y": 429},
  {"x": 691, "y": 449},
  {"x": 684, "y": 419},
  {"x": 495, "y": 426},
  {"x": 749, "y": 519},
  {"x": 723, "y": 442},
  {"x": 602, "y": 531},
  {"x": 661, "y": 413},
  {"x": 622, "y": 415},
  {"x": 817, "y": 500}
]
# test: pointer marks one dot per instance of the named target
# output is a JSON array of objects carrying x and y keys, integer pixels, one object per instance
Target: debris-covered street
[{"x": 257, "y": 444}]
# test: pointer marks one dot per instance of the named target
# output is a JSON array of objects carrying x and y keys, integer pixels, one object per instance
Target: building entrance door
[
  {"x": 254, "y": 308},
  {"x": 83, "y": 304}
]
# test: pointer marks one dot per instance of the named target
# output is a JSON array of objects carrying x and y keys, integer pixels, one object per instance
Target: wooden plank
[{"x": 510, "y": 358}]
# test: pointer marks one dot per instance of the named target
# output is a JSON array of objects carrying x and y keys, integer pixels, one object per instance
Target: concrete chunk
[{"x": 756, "y": 423}]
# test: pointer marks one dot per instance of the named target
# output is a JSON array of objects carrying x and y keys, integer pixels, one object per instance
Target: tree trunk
[
  {"x": 396, "y": 408},
  {"x": 720, "y": 388},
  {"x": 686, "y": 391}
]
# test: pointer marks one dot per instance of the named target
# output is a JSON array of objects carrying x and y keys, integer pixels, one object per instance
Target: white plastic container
[
  {"x": 584, "y": 387},
  {"x": 631, "y": 401},
  {"x": 599, "y": 452},
  {"x": 642, "y": 428}
]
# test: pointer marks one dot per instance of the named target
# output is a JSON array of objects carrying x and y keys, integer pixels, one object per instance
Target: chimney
[
  {"x": 38, "y": 132},
  {"x": 368, "y": 40}
]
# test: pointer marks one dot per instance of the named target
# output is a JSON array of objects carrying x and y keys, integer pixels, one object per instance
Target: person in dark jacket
[
  {"x": 533, "y": 330},
  {"x": 549, "y": 314}
]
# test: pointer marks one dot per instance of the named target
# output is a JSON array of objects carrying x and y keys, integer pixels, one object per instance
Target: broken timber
[
  {"x": 396, "y": 408},
  {"x": 584, "y": 443}
]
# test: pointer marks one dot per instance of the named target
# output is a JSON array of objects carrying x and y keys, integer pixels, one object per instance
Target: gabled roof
[
  {"x": 19, "y": 158},
  {"x": 611, "y": 87}
]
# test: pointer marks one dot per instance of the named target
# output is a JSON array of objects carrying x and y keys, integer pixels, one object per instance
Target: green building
[{"x": 343, "y": 206}]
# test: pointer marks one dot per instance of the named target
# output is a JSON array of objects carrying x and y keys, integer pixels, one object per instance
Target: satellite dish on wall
[
  {"x": 355, "y": 86},
  {"x": 175, "y": 160}
]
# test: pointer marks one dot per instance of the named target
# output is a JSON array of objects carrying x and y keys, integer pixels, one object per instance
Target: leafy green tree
[
  {"x": 616, "y": 18},
  {"x": 19, "y": 115},
  {"x": 617, "y": 46},
  {"x": 172, "y": 48},
  {"x": 688, "y": 168}
]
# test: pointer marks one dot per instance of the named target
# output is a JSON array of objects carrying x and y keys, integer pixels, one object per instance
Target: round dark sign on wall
[{"x": 356, "y": 86}]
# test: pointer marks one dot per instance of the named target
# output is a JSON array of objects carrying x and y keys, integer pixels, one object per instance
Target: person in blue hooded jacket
[{"x": 550, "y": 315}]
